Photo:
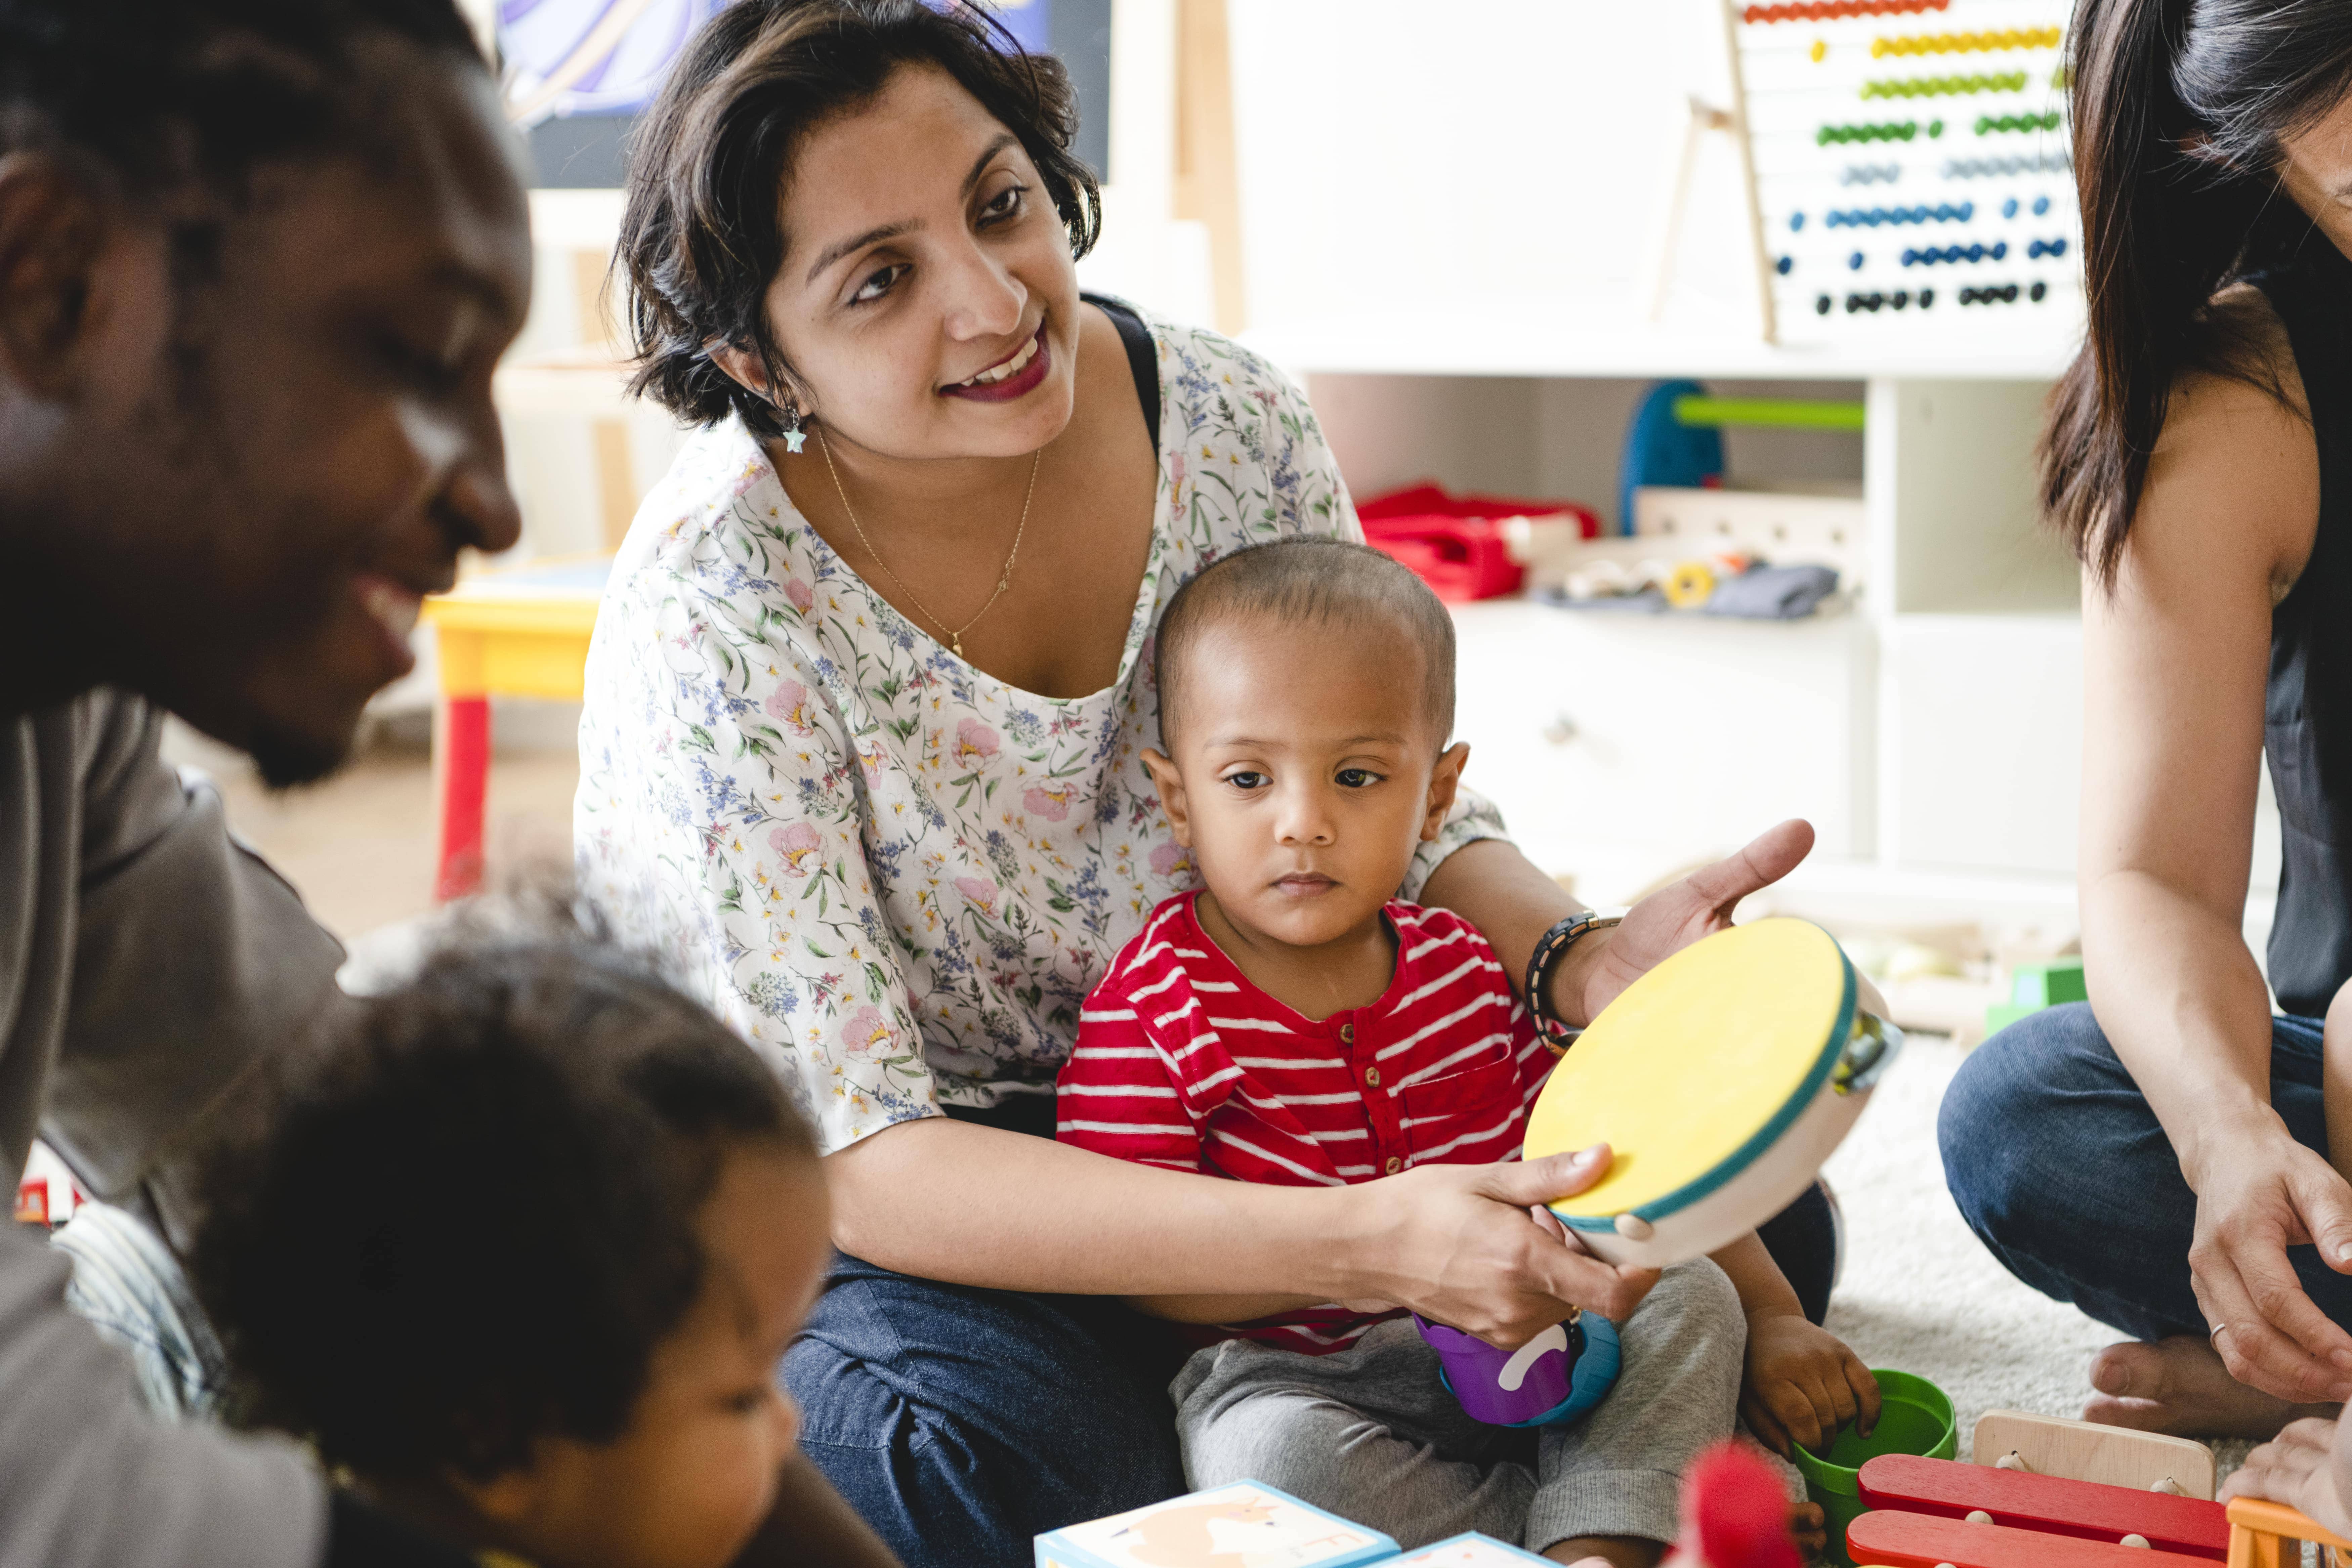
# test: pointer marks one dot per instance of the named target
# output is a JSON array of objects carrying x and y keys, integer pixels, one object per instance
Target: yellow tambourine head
[{"x": 1720, "y": 1080}]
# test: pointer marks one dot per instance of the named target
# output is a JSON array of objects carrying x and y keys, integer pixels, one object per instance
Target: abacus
[{"x": 1909, "y": 163}]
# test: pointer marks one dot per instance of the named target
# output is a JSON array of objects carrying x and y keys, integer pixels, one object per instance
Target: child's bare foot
[
  {"x": 1608, "y": 1551},
  {"x": 2179, "y": 1386}
]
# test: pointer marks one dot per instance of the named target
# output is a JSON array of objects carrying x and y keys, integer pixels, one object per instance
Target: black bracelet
[{"x": 1550, "y": 948}]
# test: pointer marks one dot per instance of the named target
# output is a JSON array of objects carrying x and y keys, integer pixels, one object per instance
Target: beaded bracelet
[{"x": 1550, "y": 948}]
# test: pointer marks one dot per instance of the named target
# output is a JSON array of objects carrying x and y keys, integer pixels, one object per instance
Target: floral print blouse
[{"x": 896, "y": 875}]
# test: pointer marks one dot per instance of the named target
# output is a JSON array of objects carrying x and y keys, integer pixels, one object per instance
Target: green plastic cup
[{"x": 1914, "y": 1417}]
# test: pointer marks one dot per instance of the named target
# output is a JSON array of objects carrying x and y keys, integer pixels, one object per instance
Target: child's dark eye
[
  {"x": 747, "y": 1402},
  {"x": 1357, "y": 778},
  {"x": 1246, "y": 780}
]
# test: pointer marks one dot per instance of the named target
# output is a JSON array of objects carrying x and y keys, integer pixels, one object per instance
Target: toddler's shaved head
[{"x": 1351, "y": 589}]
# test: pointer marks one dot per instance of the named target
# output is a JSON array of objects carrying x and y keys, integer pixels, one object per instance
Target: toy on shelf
[
  {"x": 1914, "y": 1417},
  {"x": 2268, "y": 1535},
  {"x": 2033, "y": 987},
  {"x": 1722, "y": 1079},
  {"x": 1551, "y": 1380},
  {"x": 1663, "y": 449},
  {"x": 1465, "y": 547},
  {"x": 1245, "y": 1525}
]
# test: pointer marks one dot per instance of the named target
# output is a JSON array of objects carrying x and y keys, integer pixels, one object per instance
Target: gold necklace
[{"x": 1004, "y": 578}]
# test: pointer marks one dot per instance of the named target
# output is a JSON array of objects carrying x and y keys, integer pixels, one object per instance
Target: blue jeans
[
  {"x": 961, "y": 1422},
  {"x": 2060, "y": 1168}
]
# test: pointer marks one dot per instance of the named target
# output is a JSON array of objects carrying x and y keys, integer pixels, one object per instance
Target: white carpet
[{"x": 1921, "y": 1294}]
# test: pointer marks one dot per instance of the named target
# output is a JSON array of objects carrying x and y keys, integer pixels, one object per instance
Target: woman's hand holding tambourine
[
  {"x": 1456, "y": 1243},
  {"x": 1604, "y": 963}
]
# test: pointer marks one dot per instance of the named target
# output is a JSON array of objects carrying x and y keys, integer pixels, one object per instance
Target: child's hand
[
  {"x": 2300, "y": 1467},
  {"x": 1802, "y": 1384},
  {"x": 1811, "y": 1526}
]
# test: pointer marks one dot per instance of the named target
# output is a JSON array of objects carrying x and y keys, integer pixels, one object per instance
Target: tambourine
[{"x": 1721, "y": 1080}]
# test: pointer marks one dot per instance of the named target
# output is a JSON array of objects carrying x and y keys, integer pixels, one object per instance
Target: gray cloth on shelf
[
  {"x": 1369, "y": 1434},
  {"x": 1648, "y": 601},
  {"x": 149, "y": 968},
  {"x": 1772, "y": 593}
]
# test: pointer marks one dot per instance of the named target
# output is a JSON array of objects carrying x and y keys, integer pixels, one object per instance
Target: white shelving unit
[{"x": 1931, "y": 732}]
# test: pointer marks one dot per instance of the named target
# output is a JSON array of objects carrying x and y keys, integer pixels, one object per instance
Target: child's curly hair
[{"x": 472, "y": 1217}]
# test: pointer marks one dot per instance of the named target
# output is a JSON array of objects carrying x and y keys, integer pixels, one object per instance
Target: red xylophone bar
[
  {"x": 1889, "y": 1539},
  {"x": 2050, "y": 1504}
]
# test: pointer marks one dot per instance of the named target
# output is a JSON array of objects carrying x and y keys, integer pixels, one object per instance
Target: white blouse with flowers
[{"x": 896, "y": 875}]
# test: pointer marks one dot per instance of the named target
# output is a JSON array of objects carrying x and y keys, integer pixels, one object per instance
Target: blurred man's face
[{"x": 266, "y": 430}]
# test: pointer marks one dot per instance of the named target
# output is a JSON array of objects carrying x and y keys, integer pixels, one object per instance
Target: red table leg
[{"x": 462, "y": 753}]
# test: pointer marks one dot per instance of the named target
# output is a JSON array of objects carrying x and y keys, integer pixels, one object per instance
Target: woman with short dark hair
[
  {"x": 2160, "y": 1157},
  {"x": 863, "y": 750}
]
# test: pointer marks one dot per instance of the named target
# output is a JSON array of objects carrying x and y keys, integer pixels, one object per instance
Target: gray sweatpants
[{"x": 1370, "y": 1433}]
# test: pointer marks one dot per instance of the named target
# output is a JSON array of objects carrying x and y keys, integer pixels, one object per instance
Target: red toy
[
  {"x": 1888, "y": 1539},
  {"x": 2048, "y": 1504},
  {"x": 1459, "y": 544},
  {"x": 1734, "y": 1514}
]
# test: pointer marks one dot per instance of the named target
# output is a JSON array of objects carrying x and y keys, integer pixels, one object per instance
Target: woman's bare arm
[
  {"x": 977, "y": 1205},
  {"x": 2174, "y": 667},
  {"x": 1496, "y": 888}
]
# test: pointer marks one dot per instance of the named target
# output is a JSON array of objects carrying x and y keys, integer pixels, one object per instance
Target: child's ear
[
  {"x": 1170, "y": 785},
  {"x": 1444, "y": 780},
  {"x": 509, "y": 1499}
]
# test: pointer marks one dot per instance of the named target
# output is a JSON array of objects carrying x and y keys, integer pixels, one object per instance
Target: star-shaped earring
[{"x": 794, "y": 439}]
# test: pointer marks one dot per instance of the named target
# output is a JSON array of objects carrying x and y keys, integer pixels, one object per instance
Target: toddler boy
[{"x": 1294, "y": 1023}]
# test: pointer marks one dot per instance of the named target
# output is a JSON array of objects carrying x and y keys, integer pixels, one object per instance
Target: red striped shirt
[{"x": 1182, "y": 1062}]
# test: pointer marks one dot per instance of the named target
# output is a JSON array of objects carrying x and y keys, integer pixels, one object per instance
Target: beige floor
[{"x": 361, "y": 844}]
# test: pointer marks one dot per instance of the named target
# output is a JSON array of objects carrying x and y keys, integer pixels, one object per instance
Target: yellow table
[{"x": 522, "y": 632}]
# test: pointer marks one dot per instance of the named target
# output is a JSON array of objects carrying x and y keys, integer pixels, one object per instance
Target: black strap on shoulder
[
  {"x": 1142, "y": 357},
  {"x": 360, "y": 1537}
]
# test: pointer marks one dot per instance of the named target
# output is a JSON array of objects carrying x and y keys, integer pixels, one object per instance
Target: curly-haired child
[{"x": 519, "y": 1254}]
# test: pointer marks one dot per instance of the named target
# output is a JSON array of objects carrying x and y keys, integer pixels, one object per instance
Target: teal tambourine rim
[{"x": 1740, "y": 1158}]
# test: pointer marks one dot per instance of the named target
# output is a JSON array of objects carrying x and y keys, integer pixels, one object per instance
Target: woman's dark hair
[
  {"x": 156, "y": 92},
  {"x": 470, "y": 1218},
  {"x": 703, "y": 235},
  {"x": 2179, "y": 107}
]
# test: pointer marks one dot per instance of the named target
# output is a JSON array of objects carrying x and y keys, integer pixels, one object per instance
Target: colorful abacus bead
[{"x": 1839, "y": 10}]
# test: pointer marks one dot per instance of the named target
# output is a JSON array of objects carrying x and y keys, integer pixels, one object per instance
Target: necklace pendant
[{"x": 956, "y": 645}]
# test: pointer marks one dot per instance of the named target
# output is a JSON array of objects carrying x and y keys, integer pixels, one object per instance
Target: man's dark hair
[
  {"x": 470, "y": 1219},
  {"x": 703, "y": 233},
  {"x": 155, "y": 93},
  {"x": 1351, "y": 589}
]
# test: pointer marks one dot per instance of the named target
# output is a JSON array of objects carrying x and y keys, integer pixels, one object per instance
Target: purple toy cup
[{"x": 1505, "y": 1388}]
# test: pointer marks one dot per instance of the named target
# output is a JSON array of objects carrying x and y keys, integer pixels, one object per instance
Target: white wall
[{"x": 1471, "y": 153}]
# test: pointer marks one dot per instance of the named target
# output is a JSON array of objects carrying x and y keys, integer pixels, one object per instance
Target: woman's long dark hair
[{"x": 2179, "y": 107}]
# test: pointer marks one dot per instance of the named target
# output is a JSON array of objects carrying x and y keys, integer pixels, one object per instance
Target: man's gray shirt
[{"x": 149, "y": 967}]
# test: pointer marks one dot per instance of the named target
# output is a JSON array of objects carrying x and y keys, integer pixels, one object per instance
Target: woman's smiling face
[{"x": 927, "y": 301}]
